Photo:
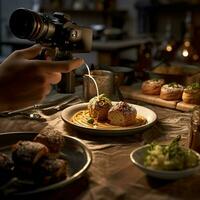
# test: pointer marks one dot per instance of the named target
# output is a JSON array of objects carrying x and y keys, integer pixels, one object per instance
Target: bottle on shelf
[
  {"x": 78, "y": 4},
  {"x": 187, "y": 51},
  {"x": 194, "y": 136},
  {"x": 166, "y": 50},
  {"x": 99, "y": 5},
  {"x": 106, "y": 5},
  {"x": 144, "y": 61}
]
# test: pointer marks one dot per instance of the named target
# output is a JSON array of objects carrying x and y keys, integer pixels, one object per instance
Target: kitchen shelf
[
  {"x": 114, "y": 18},
  {"x": 175, "y": 7},
  {"x": 150, "y": 15},
  {"x": 86, "y": 11}
]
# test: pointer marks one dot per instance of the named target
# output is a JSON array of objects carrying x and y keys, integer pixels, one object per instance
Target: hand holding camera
[
  {"x": 26, "y": 81},
  {"x": 57, "y": 32}
]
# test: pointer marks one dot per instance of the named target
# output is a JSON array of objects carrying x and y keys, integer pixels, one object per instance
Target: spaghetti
[
  {"x": 95, "y": 83},
  {"x": 81, "y": 118}
]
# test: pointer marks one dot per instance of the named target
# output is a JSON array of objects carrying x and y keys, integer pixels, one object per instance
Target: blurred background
[{"x": 140, "y": 37}]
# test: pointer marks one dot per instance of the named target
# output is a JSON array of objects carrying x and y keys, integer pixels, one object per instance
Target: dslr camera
[{"x": 56, "y": 30}]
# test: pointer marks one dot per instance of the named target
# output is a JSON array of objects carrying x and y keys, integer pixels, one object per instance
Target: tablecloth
[{"x": 112, "y": 175}]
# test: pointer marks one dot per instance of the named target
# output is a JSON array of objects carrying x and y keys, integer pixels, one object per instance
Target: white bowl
[{"x": 137, "y": 157}]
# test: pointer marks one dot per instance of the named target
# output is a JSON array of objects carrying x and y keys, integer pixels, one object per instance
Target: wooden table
[{"x": 112, "y": 175}]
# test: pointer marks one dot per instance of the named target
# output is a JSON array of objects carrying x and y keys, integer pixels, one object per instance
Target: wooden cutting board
[
  {"x": 134, "y": 92},
  {"x": 184, "y": 106}
]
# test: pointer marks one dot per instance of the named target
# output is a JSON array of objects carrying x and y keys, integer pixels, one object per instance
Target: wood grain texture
[{"x": 134, "y": 92}]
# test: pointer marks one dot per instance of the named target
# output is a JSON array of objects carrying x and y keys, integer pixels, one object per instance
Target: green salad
[{"x": 170, "y": 157}]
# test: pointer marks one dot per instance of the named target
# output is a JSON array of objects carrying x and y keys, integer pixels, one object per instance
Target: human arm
[{"x": 25, "y": 81}]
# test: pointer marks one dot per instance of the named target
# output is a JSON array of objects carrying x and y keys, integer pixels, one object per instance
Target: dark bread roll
[
  {"x": 49, "y": 170},
  {"x": 152, "y": 86},
  {"x": 6, "y": 168},
  {"x": 53, "y": 139},
  {"x": 26, "y": 154},
  {"x": 98, "y": 107}
]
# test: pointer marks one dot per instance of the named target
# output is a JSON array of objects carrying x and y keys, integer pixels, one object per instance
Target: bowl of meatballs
[{"x": 31, "y": 163}]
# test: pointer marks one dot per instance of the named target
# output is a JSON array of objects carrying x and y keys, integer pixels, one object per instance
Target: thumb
[{"x": 31, "y": 52}]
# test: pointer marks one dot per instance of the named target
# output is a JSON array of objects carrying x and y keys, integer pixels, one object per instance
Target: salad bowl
[{"x": 138, "y": 155}]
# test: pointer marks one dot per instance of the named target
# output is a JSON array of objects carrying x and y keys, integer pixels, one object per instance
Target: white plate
[
  {"x": 137, "y": 157},
  {"x": 78, "y": 157},
  {"x": 69, "y": 112}
]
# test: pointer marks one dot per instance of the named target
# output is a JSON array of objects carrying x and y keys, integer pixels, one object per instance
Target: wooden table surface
[{"x": 112, "y": 175}]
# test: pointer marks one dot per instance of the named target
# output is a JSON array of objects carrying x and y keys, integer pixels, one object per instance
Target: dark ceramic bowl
[
  {"x": 185, "y": 77},
  {"x": 76, "y": 153},
  {"x": 123, "y": 75}
]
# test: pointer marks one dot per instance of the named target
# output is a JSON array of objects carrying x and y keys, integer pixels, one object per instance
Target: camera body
[{"x": 51, "y": 30}]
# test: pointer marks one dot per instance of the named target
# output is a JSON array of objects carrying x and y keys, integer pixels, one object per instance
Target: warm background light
[
  {"x": 185, "y": 53},
  {"x": 169, "y": 48}
]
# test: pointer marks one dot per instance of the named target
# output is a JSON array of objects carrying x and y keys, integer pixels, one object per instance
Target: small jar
[
  {"x": 194, "y": 139},
  {"x": 105, "y": 84}
]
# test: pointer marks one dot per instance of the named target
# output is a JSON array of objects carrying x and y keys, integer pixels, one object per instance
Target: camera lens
[
  {"x": 22, "y": 23},
  {"x": 26, "y": 24}
]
